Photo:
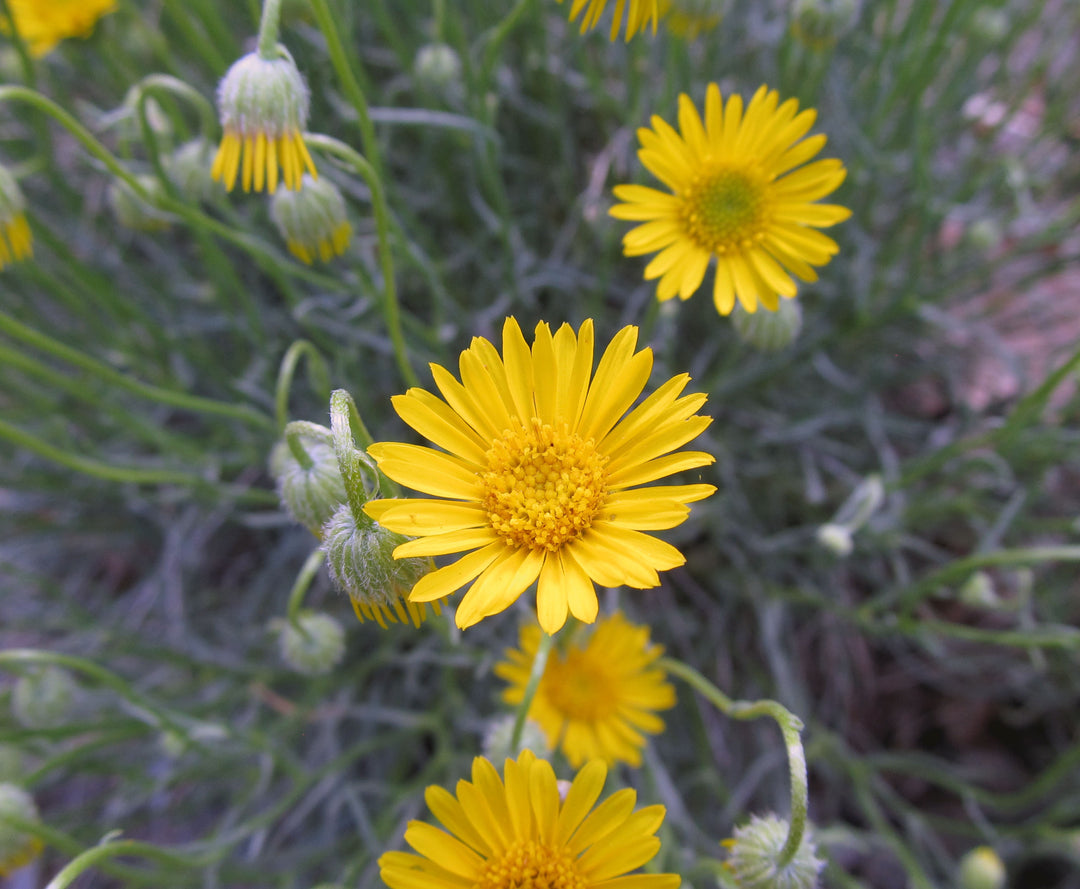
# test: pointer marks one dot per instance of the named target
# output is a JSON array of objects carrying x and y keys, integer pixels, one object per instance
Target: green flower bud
[
  {"x": 755, "y": 850},
  {"x": 16, "y": 241},
  {"x": 314, "y": 645},
  {"x": 189, "y": 169},
  {"x": 17, "y": 847},
  {"x": 982, "y": 868},
  {"x": 438, "y": 68},
  {"x": 361, "y": 563},
  {"x": 263, "y": 105},
  {"x": 11, "y": 764},
  {"x": 818, "y": 24},
  {"x": 310, "y": 494},
  {"x": 43, "y": 698},
  {"x": 836, "y": 539},
  {"x": 312, "y": 221},
  {"x": 768, "y": 331},
  {"x": 497, "y": 739},
  {"x": 132, "y": 211},
  {"x": 978, "y": 591}
]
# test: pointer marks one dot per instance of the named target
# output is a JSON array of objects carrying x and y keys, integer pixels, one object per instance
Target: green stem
[
  {"x": 167, "y": 84},
  {"x": 170, "y": 397},
  {"x": 300, "y": 587},
  {"x": 300, "y": 429},
  {"x": 536, "y": 673},
  {"x": 268, "y": 29},
  {"x": 391, "y": 310},
  {"x": 351, "y": 461},
  {"x": 115, "y": 848},
  {"x": 790, "y": 727},
  {"x": 349, "y": 81},
  {"x": 318, "y": 376}
]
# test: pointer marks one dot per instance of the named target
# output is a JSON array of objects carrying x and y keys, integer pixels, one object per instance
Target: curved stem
[
  {"x": 351, "y": 461},
  {"x": 391, "y": 310},
  {"x": 318, "y": 377},
  {"x": 268, "y": 29},
  {"x": 115, "y": 848},
  {"x": 166, "y": 83},
  {"x": 300, "y": 587},
  {"x": 536, "y": 673},
  {"x": 790, "y": 728}
]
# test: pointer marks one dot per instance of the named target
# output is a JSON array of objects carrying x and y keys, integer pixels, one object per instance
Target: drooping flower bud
[
  {"x": 312, "y": 221},
  {"x": 315, "y": 644},
  {"x": 43, "y": 698},
  {"x": 137, "y": 213},
  {"x": 981, "y": 868},
  {"x": 310, "y": 493},
  {"x": 754, "y": 853},
  {"x": 17, "y": 847},
  {"x": 497, "y": 746},
  {"x": 361, "y": 563},
  {"x": 189, "y": 169},
  {"x": 437, "y": 68},
  {"x": 16, "y": 241},
  {"x": 768, "y": 331},
  {"x": 263, "y": 104},
  {"x": 819, "y": 24}
]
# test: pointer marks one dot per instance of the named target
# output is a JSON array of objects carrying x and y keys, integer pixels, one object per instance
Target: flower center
[
  {"x": 579, "y": 687},
  {"x": 725, "y": 210},
  {"x": 528, "y": 864},
  {"x": 544, "y": 485}
]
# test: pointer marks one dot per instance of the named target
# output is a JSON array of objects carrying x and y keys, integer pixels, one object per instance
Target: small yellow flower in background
[
  {"x": 17, "y": 847},
  {"x": 522, "y": 833},
  {"x": 597, "y": 695},
  {"x": 16, "y": 240},
  {"x": 264, "y": 107},
  {"x": 312, "y": 221},
  {"x": 690, "y": 19},
  {"x": 639, "y": 14},
  {"x": 539, "y": 473},
  {"x": 742, "y": 194},
  {"x": 44, "y": 23}
]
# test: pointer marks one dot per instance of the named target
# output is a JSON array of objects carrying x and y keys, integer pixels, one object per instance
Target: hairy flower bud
[
  {"x": 312, "y": 221},
  {"x": 497, "y": 745},
  {"x": 315, "y": 644},
  {"x": 263, "y": 105},
  {"x": 16, "y": 241},
  {"x": 981, "y": 868},
  {"x": 17, "y": 847},
  {"x": 311, "y": 494},
  {"x": 768, "y": 331},
  {"x": 361, "y": 563},
  {"x": 135, "y": 212},
  {"x": 818, "y": 24},
  {"x": 43, "y": 698},
  {"x": 754, "y": 853}
]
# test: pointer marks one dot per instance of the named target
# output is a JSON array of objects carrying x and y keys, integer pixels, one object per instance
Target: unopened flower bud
[
  {"x": 17, "y": 847},
  {"x": 978, "y": 591},
  {"x": 497, "y": 745},
  {"x": 16, "y": 242},
  {"x": 189, "y": 169},
  {"x": 768, "y": 331},
  {"x": 754, "y": 853},
  {"x": 137, "y": 213},
  {"x": 437, "y": 68},
  {"x": 361, "y": 561},
  {"x": 311, "y": 494},
  {"x": 263, "y": 105},
  {"x": 982, "y": 868},
  {"x": 315, "y": 644},
  {"x": 312, "y": 221},
  {"x": 43, "y": 698},
  {"x": 690, "y": 19},
  {"x": 836, "y": 539},
  {"x": 818, "y": 24}
]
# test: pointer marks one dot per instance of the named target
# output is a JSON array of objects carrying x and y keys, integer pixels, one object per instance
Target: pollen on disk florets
[
  {"x": 359, "y": 556},
  {"x": 543, "y": 486},
  {"x": 312, "y": 220},
  {"x": 263, "y": 104},
  {"x": 533, "y": 864},
  {"x": 725, "y": 210}
]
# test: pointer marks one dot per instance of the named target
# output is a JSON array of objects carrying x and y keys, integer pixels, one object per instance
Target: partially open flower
[
  {"x": 263, "y": 105},
  {"x": 312, "y": 220},
  {"x": 16, "y": 242}
]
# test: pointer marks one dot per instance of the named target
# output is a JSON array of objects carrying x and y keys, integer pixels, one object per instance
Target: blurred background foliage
[{"x": 935, "y": 664}]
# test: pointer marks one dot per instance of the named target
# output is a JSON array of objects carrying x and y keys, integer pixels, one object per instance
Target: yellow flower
[
  {"x": 538, "y": 478},
  {"x": 743, "y": 194},
  {"x": 596, "y": 697},
  {"x": 16, "y": 240},
  {"x": 524, "y": 834},
  {"x": 44, "y": 23},
  {"x": 641, "y": 13},
  {"x": 263, "y": 105},
  {"x": 690, "y": 19}
]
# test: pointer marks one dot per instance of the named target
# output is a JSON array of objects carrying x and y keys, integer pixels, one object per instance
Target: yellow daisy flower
[
  {"x": 539, "y": 473},
  {"x": 44, "y": 23},
  {"x": 639, "y": 14},
  {"x": 523, "y": 833},
  {"x": 16, "y": 240},
  {"x": 596, "y": 696},
  {"x": 743, "y": 194}
]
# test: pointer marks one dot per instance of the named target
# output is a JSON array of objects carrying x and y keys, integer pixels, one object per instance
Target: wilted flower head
[
  {"x": 312, "y": 220},
  {"x": 17, "y": 847},
  {"x": 16, "y": 241},
  {"x": 44, "y": 23},
  {"x": 263, "y": 105}
]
